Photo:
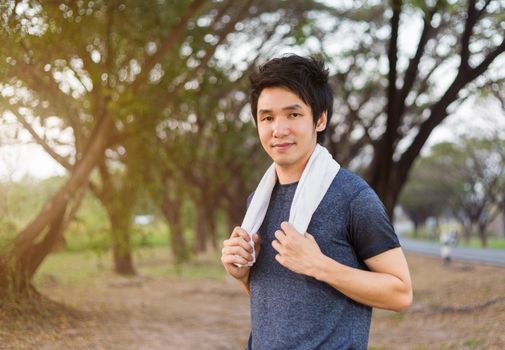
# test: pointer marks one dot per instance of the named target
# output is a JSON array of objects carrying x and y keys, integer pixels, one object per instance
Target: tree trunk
[
  {"x": 416, "y": 229},
  {"x": 121, "y": 244},
  {"x": 386, "y": 182},
  {"x": 235, "y": 213},
  {"x": 205, "y": 227},
  {"x": 61, "y": 198},
  {"x": 39, "y": 251},
  {"x": 438, "y": 231},
  {"x": 178, "y": 241},
  {"x": 172, "y": 209},
  {"x": 502, "y": 233},
  {"x": 234, "y": 197},
  {"x": 201, "y": 232},
  {"x": 483, "y": 235},
  {"x": 211, "y": 217},
  {"x": 15, "y": 275},
  {"x": 117, "y": 195},
  {"x": 467, "y": 232},
  {"x": 18, "y": 271},
  {"x": 121, "y": 251}
]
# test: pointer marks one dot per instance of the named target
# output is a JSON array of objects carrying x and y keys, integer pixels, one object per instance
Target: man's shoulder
[{"x": 348, "y": 184}]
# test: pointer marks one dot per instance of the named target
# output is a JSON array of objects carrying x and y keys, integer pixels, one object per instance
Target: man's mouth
[{"x": 282, "y": 146}]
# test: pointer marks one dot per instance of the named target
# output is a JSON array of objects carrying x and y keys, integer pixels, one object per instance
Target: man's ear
[{"x": 321, "y": 122}]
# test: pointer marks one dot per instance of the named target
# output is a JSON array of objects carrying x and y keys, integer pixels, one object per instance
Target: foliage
[
  {"x": 465, "y": 180},
  {"x": 19, "y": 200},
  {"x": 406, "y": 69},
  {"x": 426, "y": 195}
]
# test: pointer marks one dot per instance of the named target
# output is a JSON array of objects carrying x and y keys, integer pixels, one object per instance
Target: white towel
[{"x": 315, "y": 181}]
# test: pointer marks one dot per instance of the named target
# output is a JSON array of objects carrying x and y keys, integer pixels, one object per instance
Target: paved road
[{"x": 488, "y": 256}]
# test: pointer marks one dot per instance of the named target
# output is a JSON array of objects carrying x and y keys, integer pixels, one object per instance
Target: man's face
[{"x": 286, "y": 127}]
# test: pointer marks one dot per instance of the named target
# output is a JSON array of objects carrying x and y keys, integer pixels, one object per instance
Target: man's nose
[{"x": 280, "y": 128}]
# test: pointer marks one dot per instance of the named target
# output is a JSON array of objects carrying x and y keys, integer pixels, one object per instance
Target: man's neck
[
  {"x": 293, "y": 173},
  {"x": 288, "y": 175}
]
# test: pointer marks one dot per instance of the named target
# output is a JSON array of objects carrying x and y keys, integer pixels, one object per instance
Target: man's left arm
[{"x": 387, "y": 285}]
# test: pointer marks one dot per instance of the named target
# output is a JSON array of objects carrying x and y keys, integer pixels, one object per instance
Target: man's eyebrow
[
  {"x": 295, "y": 106},
  {"x": 291, "y": 107},
  {"x": 264, "y": 111}
]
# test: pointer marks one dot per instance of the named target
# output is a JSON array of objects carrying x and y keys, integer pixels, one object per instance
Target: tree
[
  {"x": 426, "y": 194},
  {"x": 92, "y": 100},
  {"x": 388, "y": 102},
  {"x": 468, "y": 178},
  {"x": 483, "y": 196},
  {"x": 99, "y": 69}
]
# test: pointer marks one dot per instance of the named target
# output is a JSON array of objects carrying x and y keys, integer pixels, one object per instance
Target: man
[{"x": 316, "y": 290}]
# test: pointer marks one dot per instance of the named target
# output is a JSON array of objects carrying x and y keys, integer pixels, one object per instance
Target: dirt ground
[{"x": 456, "y": 307}]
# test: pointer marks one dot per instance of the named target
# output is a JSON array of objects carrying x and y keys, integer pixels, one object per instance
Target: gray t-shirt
[{"x": 294, "y": 311}]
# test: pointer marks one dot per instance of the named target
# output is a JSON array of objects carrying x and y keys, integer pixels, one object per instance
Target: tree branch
[
  {"x": 393, "y": 58},
  {"x": 57, "y": 157},
  {"x": 168, "y": 44},
  {"x": 411, "y": 72},
  {"x": 490, "y": 57},
  {"x": 471, "y": 19},
  {"x": 481, "y": 11},
  {"x": 208, "y": 54}
]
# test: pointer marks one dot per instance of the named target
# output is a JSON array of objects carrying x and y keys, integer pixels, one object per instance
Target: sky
[
  {"x": 24, "y": 157},
  {"x": 30, "y": 159}
]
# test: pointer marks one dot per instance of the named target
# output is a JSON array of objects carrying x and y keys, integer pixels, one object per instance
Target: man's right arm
[
  {"x": 237, "y": 251},
  {"x": 245, "y": 287}
]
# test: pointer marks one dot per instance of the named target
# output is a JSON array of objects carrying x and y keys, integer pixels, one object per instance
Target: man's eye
[
  {"x": 267, "y": 118},
  {"x": 295, "y": 115}
]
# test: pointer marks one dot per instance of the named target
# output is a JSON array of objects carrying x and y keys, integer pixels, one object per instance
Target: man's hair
[{"x": 306, "y": 77}]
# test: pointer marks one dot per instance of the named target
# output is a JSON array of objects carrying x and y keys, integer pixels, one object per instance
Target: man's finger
[
  {"x": 277, "y": 246},
  {"x": 240, "y": 232},
  {"x": 233, "y": 259},
  {"x": 280, "y": 259},
  {"x": 238, "y": 241},
  {"x": 308, "y": 235},
  {"x": 288, "y": 228},
  {"x": 256, "y": 240},
  {"x": 280, "y": 235},
  {"x": 237, "y": 250}
]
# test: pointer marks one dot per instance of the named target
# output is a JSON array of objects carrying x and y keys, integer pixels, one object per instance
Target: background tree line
[
  {"x": 463, "y": 180},
  {"x": 146, "y": 102}
]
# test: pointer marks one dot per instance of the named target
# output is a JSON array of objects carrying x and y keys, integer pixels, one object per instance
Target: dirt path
[
  {"x": 461, "y": 307},
  {"x": 142, "y": 313}
]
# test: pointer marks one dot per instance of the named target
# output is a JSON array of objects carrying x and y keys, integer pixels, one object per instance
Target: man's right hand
[{"x": 238, "y": 250}]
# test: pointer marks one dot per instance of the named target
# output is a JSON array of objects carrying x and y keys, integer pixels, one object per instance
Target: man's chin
[{"x": 283, "y": 162}]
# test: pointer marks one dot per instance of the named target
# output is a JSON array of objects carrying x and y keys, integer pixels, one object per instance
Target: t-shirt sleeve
[{"x": 370, "y": 229}]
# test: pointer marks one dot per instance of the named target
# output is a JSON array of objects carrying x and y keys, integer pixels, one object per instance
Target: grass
[
  {"x": 398, "y": 317},
  {"x": 473, "y": 343},
  {"x": 99, "y": 241},
  {"x": 79, "y": 268},
  {"x": 493, "y": 242},
  {"x": 72, "y": 268},
  {"x": 157, "y": 261}
]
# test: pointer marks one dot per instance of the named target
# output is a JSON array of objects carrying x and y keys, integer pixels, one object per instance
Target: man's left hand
[{"x": 298, "y": 253}]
